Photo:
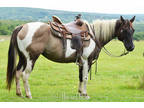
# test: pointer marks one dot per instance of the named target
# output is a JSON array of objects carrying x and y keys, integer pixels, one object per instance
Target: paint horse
[{"x": 33, "y": 39}]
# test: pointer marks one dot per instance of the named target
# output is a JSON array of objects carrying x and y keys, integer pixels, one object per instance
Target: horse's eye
[
  {"x": 133, "y": 29},
  {"x": 121, "y": 30}
]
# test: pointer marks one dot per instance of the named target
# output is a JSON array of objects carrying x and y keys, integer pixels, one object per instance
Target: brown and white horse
[{"x": 33, "y": 39}]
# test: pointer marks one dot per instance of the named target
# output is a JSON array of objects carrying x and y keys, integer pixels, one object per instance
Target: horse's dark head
[{"x": 125, "y": 32}]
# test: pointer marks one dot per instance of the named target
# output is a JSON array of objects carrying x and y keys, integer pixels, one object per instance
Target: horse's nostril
[{"x": 131, "y": 48}]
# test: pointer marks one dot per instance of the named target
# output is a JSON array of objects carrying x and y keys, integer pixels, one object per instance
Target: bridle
[
  {"x": 110, "y": 54},
  {"x": 104, "y": 49}
]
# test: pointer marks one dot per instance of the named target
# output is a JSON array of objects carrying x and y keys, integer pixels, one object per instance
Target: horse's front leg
[{"x": 85, "y": 77}]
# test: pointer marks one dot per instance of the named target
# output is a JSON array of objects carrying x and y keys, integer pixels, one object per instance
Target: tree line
[{"x": 7, "y": 26}]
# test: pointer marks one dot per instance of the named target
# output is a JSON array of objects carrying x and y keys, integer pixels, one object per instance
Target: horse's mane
[{"x": 104, "y": 29}]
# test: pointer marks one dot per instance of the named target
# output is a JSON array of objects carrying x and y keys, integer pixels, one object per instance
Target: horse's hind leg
[
  {"x": 18, "y": 89},
  {"x": 26, "y": 74},
  {"x": 20, "y": 66}
]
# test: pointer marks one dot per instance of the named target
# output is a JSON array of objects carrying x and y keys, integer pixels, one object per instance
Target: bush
[
  {"x": 7, "y": 26},
  {"x": 139, "y": 36}
]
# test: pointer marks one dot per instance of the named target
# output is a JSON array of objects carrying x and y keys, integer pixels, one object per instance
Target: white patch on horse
[
  {"x": 69, "y": 50},
  {"x": 23, "y": 44},
  {"x": 85, "y": 74},
  {"x": 29, "y": 66},
  {"x": 88, "y": 50},
  {"x": 25, "y": 76}
]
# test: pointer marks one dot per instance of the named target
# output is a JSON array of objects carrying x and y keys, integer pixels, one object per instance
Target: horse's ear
[
  {"x": 132, "y": 20},
  {"x": 122, "y": 19}
]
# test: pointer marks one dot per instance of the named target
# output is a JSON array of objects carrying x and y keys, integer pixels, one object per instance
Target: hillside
[
  {"x": 10, "y": 17},
  {"x": 36, "y": 14}
]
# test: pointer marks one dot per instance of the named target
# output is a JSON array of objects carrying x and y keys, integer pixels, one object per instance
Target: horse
[{"x": 33, "y": 39}]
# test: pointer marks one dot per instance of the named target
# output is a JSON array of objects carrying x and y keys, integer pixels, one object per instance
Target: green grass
[{"x": 117, "y": 79}]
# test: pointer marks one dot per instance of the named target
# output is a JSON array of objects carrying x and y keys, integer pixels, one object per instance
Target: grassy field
[{"x": 117, "y": 79}]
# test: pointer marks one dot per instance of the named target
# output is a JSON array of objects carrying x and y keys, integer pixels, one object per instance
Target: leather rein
[
  {"x": 110, "y": 54},
  {"x": 104, "y": 49}
]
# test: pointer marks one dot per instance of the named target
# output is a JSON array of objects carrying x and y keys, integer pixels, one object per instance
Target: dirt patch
[{"x": 4, "y": 37}]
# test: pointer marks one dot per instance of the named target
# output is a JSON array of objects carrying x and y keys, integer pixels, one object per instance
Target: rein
[
  {"x": 110, "y": 54},
  {"x": 95, "y": 68},
  {"x": 98, "y": 45},
  {"x": 105, "y": 50}
]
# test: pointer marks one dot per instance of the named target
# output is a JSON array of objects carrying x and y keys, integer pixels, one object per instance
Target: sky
[{"x": 99, "y": 6}]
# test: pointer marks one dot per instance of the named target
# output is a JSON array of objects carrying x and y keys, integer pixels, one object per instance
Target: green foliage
[
  {"x": 139, "y": 26},
  {"x": 139, "y": 30},
  {"x": 7, "y": 26},
  {"x": 139, "y": 36},
  {"x": 10, "y": 17},
  {"x": 36, "y": 14}
]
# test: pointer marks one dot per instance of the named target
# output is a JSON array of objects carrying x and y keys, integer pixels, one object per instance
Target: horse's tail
[{"x": 12, "y": 54}]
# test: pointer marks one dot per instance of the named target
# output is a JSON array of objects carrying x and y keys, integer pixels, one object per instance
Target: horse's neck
[
  {"x": 103, "y": 43},
  {"x": 104, "y": 30}
]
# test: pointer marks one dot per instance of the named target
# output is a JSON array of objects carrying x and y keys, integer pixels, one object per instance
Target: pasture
[{"x": 117, "y": 79}]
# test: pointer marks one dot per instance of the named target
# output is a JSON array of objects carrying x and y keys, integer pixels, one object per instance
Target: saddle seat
[{"x": 75, "y": 28}]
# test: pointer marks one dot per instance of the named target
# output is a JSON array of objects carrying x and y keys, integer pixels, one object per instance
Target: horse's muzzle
[{"x": 131, "y": 48}]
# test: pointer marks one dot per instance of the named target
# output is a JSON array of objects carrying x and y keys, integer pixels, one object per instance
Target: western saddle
[
  {"x": 69, "y": 30},
  {"x": 77, "y": 31}
]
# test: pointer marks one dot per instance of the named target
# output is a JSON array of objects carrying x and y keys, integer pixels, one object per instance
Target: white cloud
[{"x": 102, "y": 6}]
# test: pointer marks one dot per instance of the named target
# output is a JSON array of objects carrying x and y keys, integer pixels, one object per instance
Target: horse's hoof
[
  {"x": 85, "y": 95},
  {"x": 79, "y": 91},
  {"x": 19, "y": 94},
  {"x": 29, "y": 97}
]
